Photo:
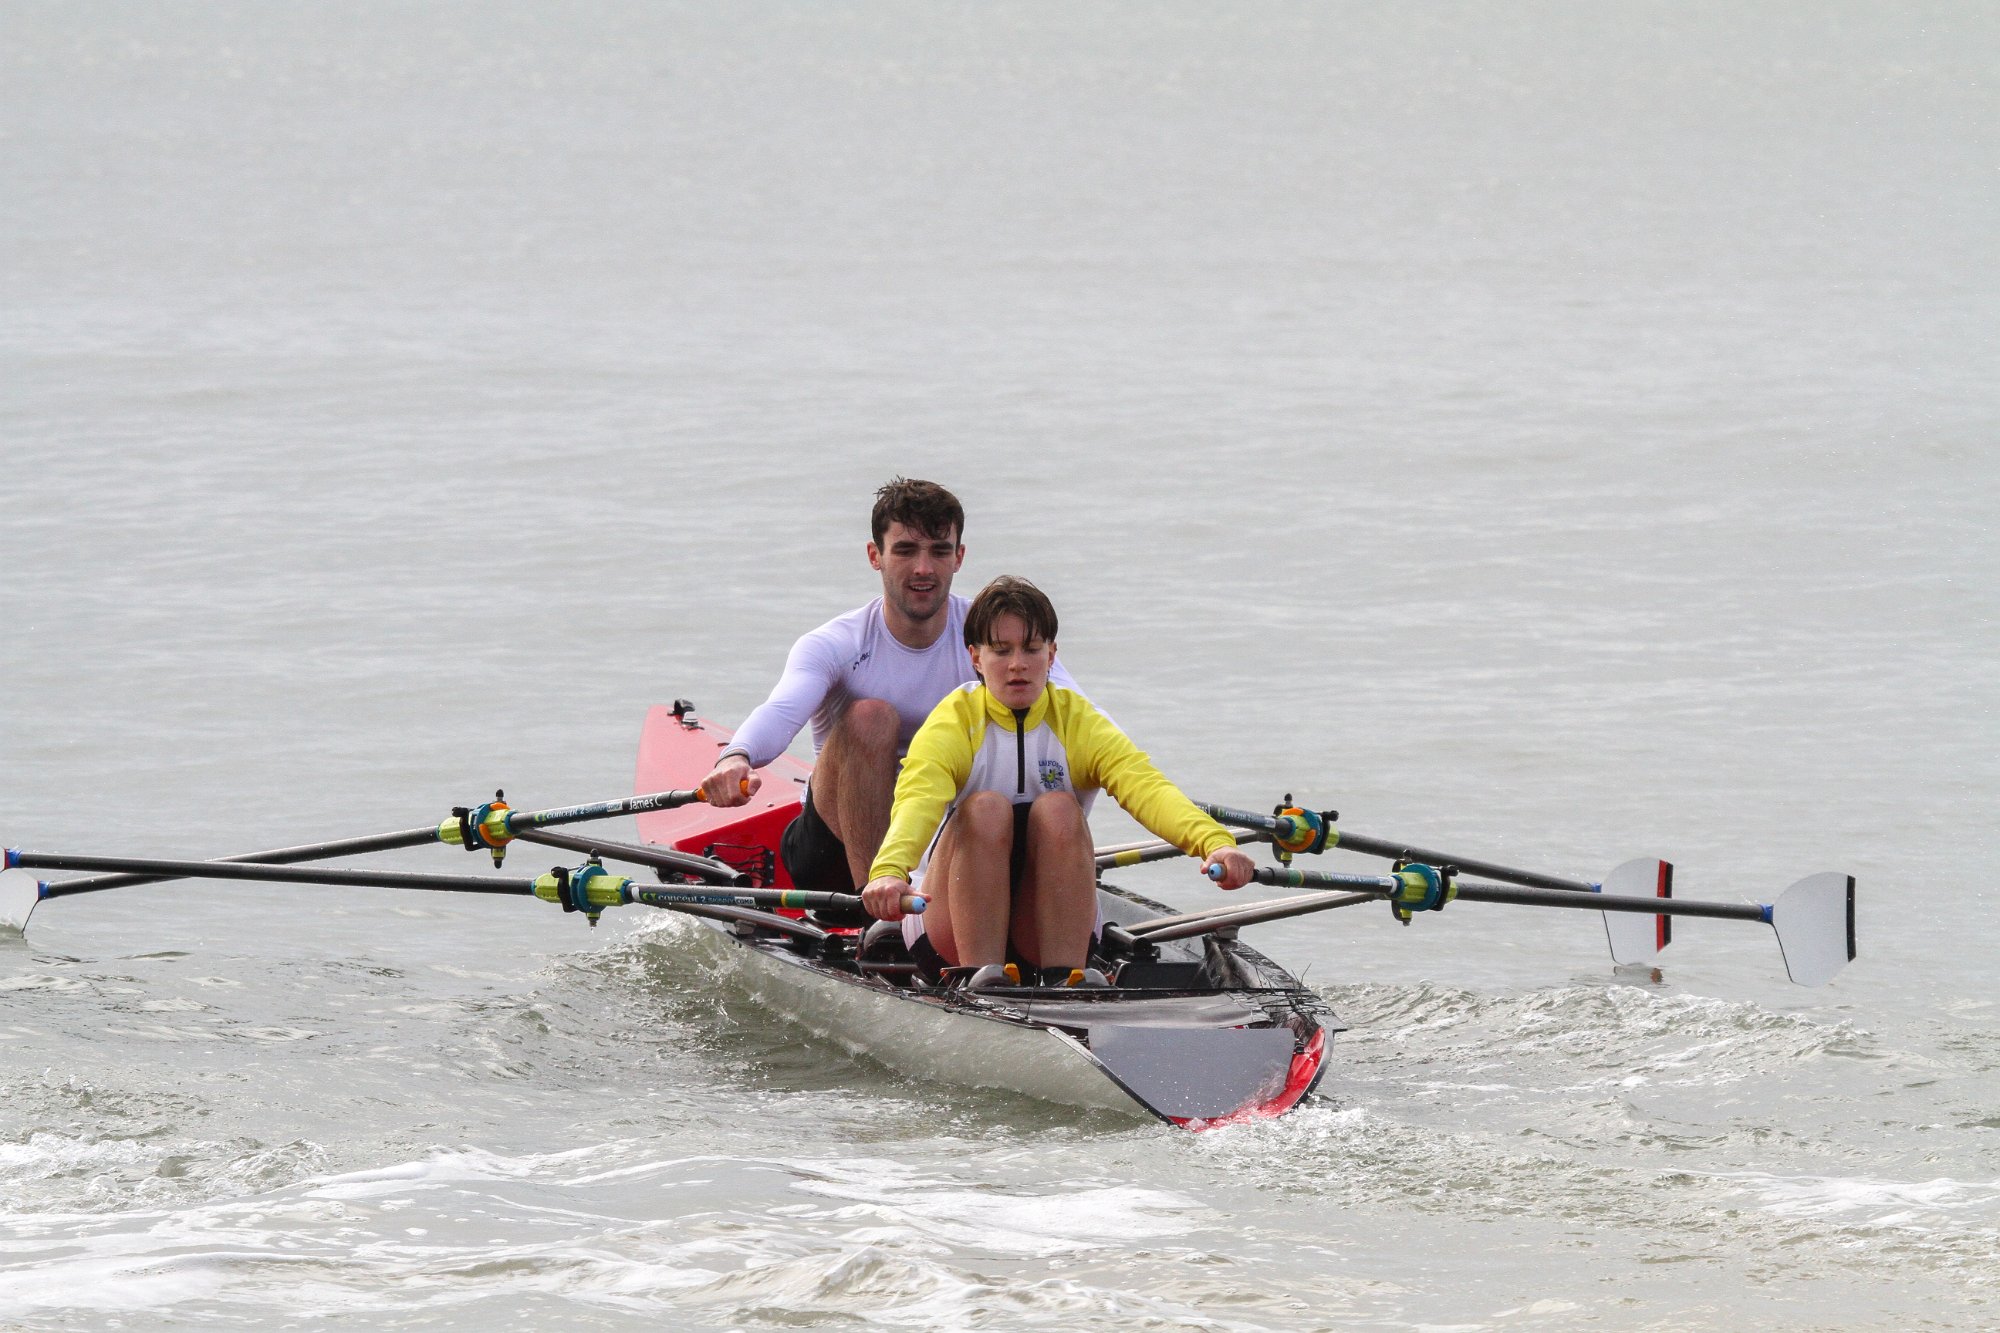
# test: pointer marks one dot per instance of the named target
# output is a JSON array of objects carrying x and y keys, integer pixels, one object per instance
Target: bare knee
[
  {"x": 1057, "y": 815},
  {"x": 987, "y": 818},
  {"x": 871, "y": 727}
]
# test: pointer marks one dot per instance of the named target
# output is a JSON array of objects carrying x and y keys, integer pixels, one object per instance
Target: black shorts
[
  {"x": 932, "y": 964},
  {"x": 1018, "y": 864},
  {"x": 814, "y": 858}
]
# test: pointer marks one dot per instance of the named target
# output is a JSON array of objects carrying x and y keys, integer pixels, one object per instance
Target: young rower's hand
[
  {"x": 883, "y": 898},
  {"x": 1237, "y": 869},
  {"x": 732, "y": 782}
]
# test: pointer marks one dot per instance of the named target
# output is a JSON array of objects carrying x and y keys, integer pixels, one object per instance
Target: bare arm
[{"x": 810, "y": 671}]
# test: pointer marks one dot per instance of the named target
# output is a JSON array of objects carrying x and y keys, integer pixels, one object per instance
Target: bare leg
[
  {"x": 854, "y": 781},
  {"x": 968, "y": 883},
  {"x": 1057, "y": 904}
]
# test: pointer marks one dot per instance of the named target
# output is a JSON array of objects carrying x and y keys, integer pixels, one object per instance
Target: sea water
[{"x": 1555, "y": 432}]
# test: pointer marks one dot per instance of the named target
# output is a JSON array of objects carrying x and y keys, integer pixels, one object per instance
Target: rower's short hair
[
  {"x": 1010, "y": 595},
  {"x": 923, "y": 505}
]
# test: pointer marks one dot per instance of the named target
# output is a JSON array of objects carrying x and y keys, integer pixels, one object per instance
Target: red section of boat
[
  {"x": 676, "y": 752},
  {"x": 1299, "y": 1081}
]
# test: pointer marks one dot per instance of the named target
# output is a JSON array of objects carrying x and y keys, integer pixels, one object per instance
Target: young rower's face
[
  {"x": 916, "y": 569},
  {"x": 1014, "y": 666}
]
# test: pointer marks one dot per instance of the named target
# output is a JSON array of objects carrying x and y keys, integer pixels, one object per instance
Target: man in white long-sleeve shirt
[{"x": 865, "y": 681}]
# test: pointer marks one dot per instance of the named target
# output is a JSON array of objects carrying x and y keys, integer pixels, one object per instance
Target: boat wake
[
  {"x": 616, "y": 1226},
  {"x": 1594, "y": 1036},
  {"x": 77, "y": 1150}
]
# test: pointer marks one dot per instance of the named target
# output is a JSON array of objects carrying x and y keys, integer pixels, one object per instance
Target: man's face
[{"x": 916, "y": 569}]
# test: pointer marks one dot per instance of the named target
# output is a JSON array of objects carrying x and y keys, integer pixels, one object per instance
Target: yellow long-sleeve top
[{"x": 973, "y": 742}]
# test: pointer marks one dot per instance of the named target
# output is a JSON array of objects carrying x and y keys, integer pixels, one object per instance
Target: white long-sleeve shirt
[{"x": 856, "y": 657}]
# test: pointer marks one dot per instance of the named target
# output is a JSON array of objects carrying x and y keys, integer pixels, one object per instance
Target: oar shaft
[
  {"x": 1138, "y": 856},
  {"x": 794, "y": 898},
  {"x": 658, "y": 858},
  {"x": 1356, "y": 842},
  {"x": 1611, "y": 902},
  {"x": 1291, "y": 878},
  {"x": 1203, "y": 923},
  {"x": 800, "y": 899},
  {"x": 516, "y": 822},
  {"x": 1294, "y": 878},
  {"x": 1141, "y": 853},
  {"x": 1285, "y": 827},
  {"x": 398, "y": 879},
  {"x": 311, "y": 851},
  {"x": 1282, "y": 826},
  {"x": 277, "y": 874},
  {"x": 1147, "y": 927}
]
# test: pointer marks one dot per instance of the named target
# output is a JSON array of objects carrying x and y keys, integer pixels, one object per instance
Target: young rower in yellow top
[{"x": 1009, "y": 767}]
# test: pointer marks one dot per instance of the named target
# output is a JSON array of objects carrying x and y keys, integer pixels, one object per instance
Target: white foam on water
[
  {"x": 1612, "y": 1034},
  {"x": 1864, "y": 1201},
  {"x": 1043, "y": 1222},
  {"x": 872, "y": 1231}
]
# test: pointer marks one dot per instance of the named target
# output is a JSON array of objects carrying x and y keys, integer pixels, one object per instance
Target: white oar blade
[
  {"x": 1636, "y": 937},
  {"x": 1815, "y": 924},
  {"x": 19, "y": 892}
]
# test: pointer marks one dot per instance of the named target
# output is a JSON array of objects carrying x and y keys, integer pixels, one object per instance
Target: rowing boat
[{"x": 1197, "y": 1031}]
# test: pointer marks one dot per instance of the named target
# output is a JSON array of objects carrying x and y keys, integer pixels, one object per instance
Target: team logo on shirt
[{"x": 1052, "y": 774}]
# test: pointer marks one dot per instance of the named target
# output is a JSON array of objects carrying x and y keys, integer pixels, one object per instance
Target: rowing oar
[
  {"x": 488, "y": 827},
  {"x": 665, "y": 860},
  {"x": 588, "y": 889},
  {"x": 1140, "y": 853},
  {"x": 1163, "y": 928},
  {"x": 1814, "y": 918},
  {"x": 1633, "y": 940},
  {"x": 1313, "y": 831}
]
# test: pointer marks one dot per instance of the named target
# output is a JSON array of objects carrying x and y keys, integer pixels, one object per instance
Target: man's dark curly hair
[{"x": 923, "y": 506}]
